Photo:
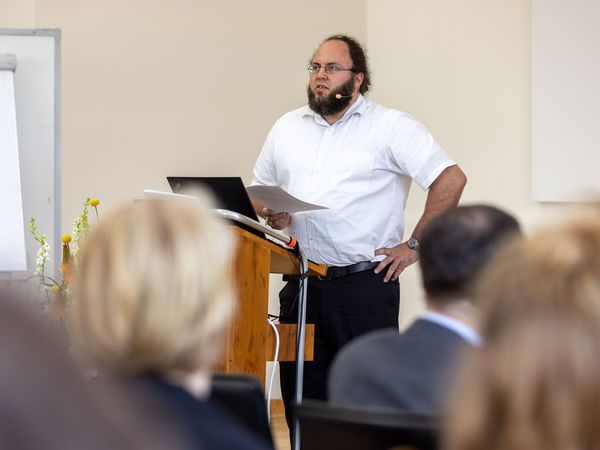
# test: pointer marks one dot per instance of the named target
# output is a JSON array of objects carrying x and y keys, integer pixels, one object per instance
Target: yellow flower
[
  {"x": 94, "y": 202},
  {"x": 66, "y": 238},
  {"x": 54, "y": 289}
]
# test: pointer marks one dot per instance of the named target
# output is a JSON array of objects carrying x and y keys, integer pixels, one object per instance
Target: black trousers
[{"x": 341, "y": 309}]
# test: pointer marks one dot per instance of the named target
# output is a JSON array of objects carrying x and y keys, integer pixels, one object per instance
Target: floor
[{"x": 279, "y": 428}]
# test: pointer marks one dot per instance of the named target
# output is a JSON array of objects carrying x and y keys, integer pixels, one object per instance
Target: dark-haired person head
[
  {"x": 455, "y": 246},
  {"x": 412, "y": 370},
  {"x": 349, "y": 75}
]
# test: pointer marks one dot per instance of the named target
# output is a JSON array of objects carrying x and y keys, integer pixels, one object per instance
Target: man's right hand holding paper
[{"x": 276, "y": 220}]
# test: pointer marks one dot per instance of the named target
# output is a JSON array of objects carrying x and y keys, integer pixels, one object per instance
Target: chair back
[
  {"x": 324, "y": 427},
  {"x": 242, "y": 396}
]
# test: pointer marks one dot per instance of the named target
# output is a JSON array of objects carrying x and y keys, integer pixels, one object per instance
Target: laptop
[{"x": 229, "y": 193}]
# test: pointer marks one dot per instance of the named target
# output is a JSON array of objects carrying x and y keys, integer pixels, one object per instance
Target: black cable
[{"x": 302, "y": 275}]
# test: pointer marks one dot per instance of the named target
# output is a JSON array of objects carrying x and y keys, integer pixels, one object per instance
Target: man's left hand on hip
[{"x": 397, "y": 259}]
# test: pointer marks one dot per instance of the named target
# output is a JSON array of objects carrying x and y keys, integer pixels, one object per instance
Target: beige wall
[
  {"x": 461, "y": 67},
  {"x": 17, "y": 14},
  {"x": 152, "y": 88}
]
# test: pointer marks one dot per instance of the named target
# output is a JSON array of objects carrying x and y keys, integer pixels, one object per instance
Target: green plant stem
[{"x": 44, "y": 277}]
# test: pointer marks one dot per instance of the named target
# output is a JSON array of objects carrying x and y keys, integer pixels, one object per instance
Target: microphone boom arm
[{"x": 237, "y": 217}]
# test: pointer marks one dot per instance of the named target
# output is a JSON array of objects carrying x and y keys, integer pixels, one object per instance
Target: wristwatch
[{"x": 413, "y": 243}]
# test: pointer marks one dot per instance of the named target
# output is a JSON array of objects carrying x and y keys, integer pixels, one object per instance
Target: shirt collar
[
  {"x": 455, "y": 325},
  {"x": 358, "y": 107}
]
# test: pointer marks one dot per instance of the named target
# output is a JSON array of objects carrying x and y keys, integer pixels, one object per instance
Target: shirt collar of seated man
[{"x": 459, "y": 315}]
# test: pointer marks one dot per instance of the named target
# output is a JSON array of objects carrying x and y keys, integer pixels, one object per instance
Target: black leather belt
[{"x": 339, "y": 272}]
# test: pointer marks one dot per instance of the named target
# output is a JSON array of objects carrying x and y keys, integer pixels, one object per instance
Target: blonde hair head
[
  {"x": 152, "y": 291},
  {"x": 534, "y": 385},
  {"x": 556, "y": 270}
]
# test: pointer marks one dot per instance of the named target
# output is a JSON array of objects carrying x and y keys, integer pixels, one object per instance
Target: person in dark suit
[
  {"x": 411, "y": 371},
  {"x": 151, "y": 303}
]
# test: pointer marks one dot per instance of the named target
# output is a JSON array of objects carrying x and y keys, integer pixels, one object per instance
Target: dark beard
[{"x": 327, "y": 106}]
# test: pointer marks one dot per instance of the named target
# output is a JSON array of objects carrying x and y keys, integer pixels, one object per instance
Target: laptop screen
[{"x": 228, "y": 192}]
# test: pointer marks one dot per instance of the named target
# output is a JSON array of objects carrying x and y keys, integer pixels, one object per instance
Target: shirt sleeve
[
  {"x": 264, "y": 172},
  {"x": 416, "y": 152}
]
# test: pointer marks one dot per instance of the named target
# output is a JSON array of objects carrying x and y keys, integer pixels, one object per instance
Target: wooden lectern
[{"x": 250, "y": 339}]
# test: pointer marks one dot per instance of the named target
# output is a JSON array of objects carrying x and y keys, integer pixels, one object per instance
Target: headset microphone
[{"x": 338, "y": 96}]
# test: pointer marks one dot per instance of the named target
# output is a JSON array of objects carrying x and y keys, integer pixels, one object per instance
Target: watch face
[{"x": 413, "y": 243}]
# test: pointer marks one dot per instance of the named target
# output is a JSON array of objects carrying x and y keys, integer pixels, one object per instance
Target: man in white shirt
[
  {"x": 358, "y": 159},
  {"x": 412, "y": 371}
]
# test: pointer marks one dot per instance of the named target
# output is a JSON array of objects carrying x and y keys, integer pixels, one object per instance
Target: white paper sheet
[
  {"x": 12, "y": 232},
  {"x": 276, "y": 199}
]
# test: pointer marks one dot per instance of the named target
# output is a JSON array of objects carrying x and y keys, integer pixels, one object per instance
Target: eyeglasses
[{"x": 329, "y": 68}]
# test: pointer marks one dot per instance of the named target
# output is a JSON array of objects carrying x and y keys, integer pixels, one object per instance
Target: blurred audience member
[
  {"x": 411, "y": 371},
  {"x": 45, "y": 402},
  {"x": 151, "y": 302},
  {"x": 535, "y": 384}
]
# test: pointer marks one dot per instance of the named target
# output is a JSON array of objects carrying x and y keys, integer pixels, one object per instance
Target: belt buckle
[
  {"x": 333, "y": 273},
  {"x": 329, "y": 275}
]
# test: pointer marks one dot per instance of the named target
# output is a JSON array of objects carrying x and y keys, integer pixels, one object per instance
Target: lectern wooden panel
[
  {"x": 246, "y": 336},
  {"x": 249, "y": 340}
]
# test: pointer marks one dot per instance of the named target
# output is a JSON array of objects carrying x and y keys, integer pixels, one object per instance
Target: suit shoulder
[{"x": 366, "y": 346}]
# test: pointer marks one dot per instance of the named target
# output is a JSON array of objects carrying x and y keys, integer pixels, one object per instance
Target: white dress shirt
[
  {"x": 459, "y": 327},
  {"x": 360, "y": 168}
]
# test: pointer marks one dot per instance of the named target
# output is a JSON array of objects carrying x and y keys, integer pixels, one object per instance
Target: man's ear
[{"x": 358, "y": 79}]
